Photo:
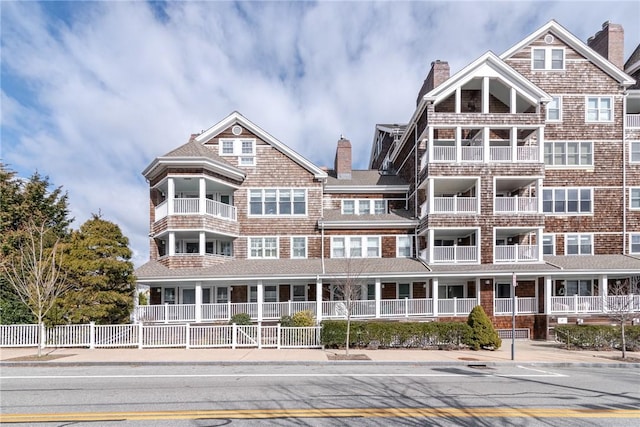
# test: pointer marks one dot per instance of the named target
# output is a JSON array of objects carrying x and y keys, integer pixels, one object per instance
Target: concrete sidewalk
[{"x": 529, "y": 352}]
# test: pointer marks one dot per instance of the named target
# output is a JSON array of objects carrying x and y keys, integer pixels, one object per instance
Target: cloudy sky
[{"x": 93, "y": 91}]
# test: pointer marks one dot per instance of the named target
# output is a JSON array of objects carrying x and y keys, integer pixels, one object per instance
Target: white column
[
  {"x": 514, "y": 100},
  {"x": 539, "y": 188},
  {"x": 260, "y": 299},
  {"x": 202, "y": 243},
  {"x": 172, "y": 243},
  {"x": 171, "y": 195},
  {"x": 478, "y": 285},
  {"x": 604, "y": 289},
  {"x": 514, "y": 144},
  {"x": 541, "y": 144},
  {"x": 434, "y": 295},
  {"x": 318, "y": 299},
  {"x": 540, "y": 245},
  {"x": 485, "y": 144},
  {"x": 430, "y": 202},
  {"x": 202, "y": 196},
  {"x": 458, "y": 144},
  {"x": 485, "y": 95},
  {"x": 536, "y": 293},
  {"x": 458, "y": 100},
  {"x": 547, "y": 294},
  {"x": 430, "y": 143},
  {"x": 198, "y": 302},
  {"x": 378, "y": 292}
]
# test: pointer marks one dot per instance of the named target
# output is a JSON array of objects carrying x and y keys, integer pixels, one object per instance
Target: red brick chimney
[
  {"x": 437, "y": 75},
  {"x": 343, "y": 159},
  {"x": 609, "y": 42}
]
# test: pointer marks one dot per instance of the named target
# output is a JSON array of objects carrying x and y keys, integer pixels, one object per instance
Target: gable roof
[
  {"x": 489, "y": 64},
  {"x": 578, "y": 45},
  {"x": 237, "y": 118},
  {"x": 191, "y": 154}
]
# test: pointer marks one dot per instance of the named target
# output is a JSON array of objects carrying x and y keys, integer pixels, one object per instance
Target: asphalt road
[{"x": 319, "y": 395}]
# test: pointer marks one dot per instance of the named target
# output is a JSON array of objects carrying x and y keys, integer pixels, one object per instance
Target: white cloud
[{"x": 92, "y": 93}]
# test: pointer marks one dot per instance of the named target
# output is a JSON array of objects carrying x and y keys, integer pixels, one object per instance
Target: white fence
[{"x": 160, "y": 336}]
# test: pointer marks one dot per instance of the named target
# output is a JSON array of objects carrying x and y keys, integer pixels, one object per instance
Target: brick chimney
[
  {"x": 437, "y": 75},
  {"x": 343, "y": 159},
  {"x": 609, "y": 42}
]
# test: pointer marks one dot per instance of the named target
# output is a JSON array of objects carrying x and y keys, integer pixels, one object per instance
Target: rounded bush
[
  {"x": 240, "y": 319},
  {"x": 483, "y": 334}
]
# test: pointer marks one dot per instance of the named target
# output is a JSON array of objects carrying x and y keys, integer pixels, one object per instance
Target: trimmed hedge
[
  {"x": 598, "y": 337},
  {"x": 394, "y": 334}
]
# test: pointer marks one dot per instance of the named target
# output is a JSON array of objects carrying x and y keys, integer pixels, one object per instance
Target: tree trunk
[{"x": 624, "y": 341}]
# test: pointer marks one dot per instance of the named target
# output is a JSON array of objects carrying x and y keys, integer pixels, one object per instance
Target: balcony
[
  {"x": 191, "y": 206},
  {"x": 455, "y": 204},
  {"x": 515, "y": 205},
  {"x": 516, "y": 253},
  {"x": 451, "y": 255},
  {"x": 633, "y": 120}
]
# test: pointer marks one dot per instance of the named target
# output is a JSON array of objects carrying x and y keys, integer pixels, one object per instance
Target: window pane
[
  {"x": 585, "y": 245},
  {"x": 548, "y": 153},
  {"x": 538, "y": 59},
  {"x": 255, "y": 203},
  {"x": 227, "y": 147},
  {"x": 585, "y": 154},
  {"x": 635, "y": 198},
  {"x": 270, "y": 247},
  {"x": 348, "y": 207},
  {"x": 380, "y": 207},
  {"x": 404, "y": 290},
  {"x": 547, "y": 201},
  {"x": 585, "y": 200},
  {"x": 355, "y": 247},
  {"x": 364, "y": 207},
  {"x": 559, "y": 205},
  {"x": 270, "y": 207},
  {"x": 299, "y": 247},
  {"x": 337, "y": 246},
  {"x": 256, "y": 247},
  {"x": 247, "y": 147},
  {"x": 285, "y": 202},
  {"x": 270, "y": 294},
  {"x": 557, "y": 59},
  {"x": 559, "y": 157},
  {"x": 573, "y": 154},
  {"x": 572, "y": 200},
  {"x": 635, "y": 151},
  {"x": 299, "y": 202},
  {"x": 373, "y": 247},
  {"x": 635, "y": 243}
]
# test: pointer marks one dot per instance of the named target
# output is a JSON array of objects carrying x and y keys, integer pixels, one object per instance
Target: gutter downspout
[{"x": 624, "y": 172}]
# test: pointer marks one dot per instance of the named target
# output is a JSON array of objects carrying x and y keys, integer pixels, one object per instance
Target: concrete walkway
[{"x": 529, "y": 352}]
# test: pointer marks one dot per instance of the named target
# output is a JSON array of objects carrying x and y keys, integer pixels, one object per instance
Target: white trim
[
  {"x": 631, "y": 198},
  {"x": 631, "y": 238},
  {"x": 347, "y": 238},
  {"x": 566, "y": 154},
  {"x": 262, "y": 247},
  {"x": 365, "y": 189},
  {"x": 306, "y": 247},
  {"x": 553, "y": 237},
  {"x": 237, "y": 118},
  {"x": 548, "y": 58},
  {"x": 578, "y": 236},
  {"x": 599, "y": 98},
  {"x": 566, "y": 212},
  {"x": 410, "y": 241},
  {"x": 631, "y": 144},
  {"x": 559, "y": 119},
  {"x": 277, "y": 214}
]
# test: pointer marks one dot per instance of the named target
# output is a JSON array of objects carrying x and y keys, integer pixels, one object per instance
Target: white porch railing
[
  {"x": 472, "y": 154},
  {"x": 500, "y": 154},
  {"x": 633, "y": 120},
  {"x": 595, "y": 304},
  {"x": 160, "y": 336},
  {"x": 456, "y": 306},
  {"x": 524, "y": 305},
  {"x": 444, "y": 154},
  {"x": 221, "y": 210},
  {"x": 516, "y": 253},
  {"x": 528, "y": 153},
  {"x": 184, "y": 206},
  {"x": 455, "y": 204},
  {"x": 515, "y": 204},
  {"x": 162, "y": 211},
  {"x": 454, "y": 254}
]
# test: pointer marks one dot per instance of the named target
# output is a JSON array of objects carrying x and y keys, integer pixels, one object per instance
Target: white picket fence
[{"x": 160, "y": 336}]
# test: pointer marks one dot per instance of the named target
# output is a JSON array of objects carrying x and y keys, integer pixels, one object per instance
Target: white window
[
  {"x": 403, "y": 247},
  {"x": 404, "y": 290},
  {"x": 245, "y": 149},
  {"x": 299, "y": 292},
  {"x": 568, "y": 153},
  {"x": 364, "y": 206},
  {"x": 635, "y": 244},
  {"x": 222, "y": 294},
  {"x": 554, "y": 109},
  {"x": 277, "y": 201},
  {"x": 635, "y": 152},
  {"x": 270, "y": 293},
  {"x": 634, "y": 199},
  {"x": 263, "y": 247},
  {"x": 355, "y": 247},
  {"x": 549, "y": 244},
  {"x": 599, "y": 109},
  {"x": 547, "y": 58},
  {"x": 298, "y": 247},
  {"x": 579, "y": 244},
  {"x": 567, "y": 200},
  {"x": 583, "y": 288}
]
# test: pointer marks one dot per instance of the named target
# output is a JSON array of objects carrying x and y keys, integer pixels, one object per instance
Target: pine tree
[{"x": 483, "y": 335}]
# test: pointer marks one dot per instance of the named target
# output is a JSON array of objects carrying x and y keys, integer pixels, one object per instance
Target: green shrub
[
  {"x": 598, "y": 337},
  {"x": 483, "y": 334},
  {"x": 286, "y": 321},
  {"x": 394, "y": 334},
  {"x": 240, "y": 319},
  {"x": 303, "y": 319}
]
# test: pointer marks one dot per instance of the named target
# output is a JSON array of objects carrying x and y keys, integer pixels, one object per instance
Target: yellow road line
[{"x": 325, "y": 413}]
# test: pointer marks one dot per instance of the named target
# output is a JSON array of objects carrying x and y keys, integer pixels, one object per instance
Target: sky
[{"x": 93, "y": 91}]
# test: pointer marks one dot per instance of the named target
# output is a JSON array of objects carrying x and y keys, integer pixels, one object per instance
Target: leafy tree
[
  {"x": 483, "y": 335},
  {"x": 98, "y": 266},
  {"x": 23, "y": 204},
  {"x": 620, "y": 305}
]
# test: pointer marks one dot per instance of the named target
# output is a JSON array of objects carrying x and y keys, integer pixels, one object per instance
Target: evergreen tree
[
  {"x": 24, "y": 202},
  {"x": 98, "y": 267},
  {"x": 483, "y": 334}
]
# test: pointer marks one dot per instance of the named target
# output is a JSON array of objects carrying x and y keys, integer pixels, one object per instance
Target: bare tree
[
  {"x": 35, "y": 272},
  {"x": 348, "y": 289},
  {"x": 620, "y": 304}
]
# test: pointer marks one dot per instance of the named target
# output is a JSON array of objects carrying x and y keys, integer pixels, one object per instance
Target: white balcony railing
[
  {"x": 455, "y": 204},
  {"x": 476, "y": 153},
  {"x": 500, "y": 154},
  {"x": 528, "y": 154},
  {"x": 633, "y": 120},
  {"x": 182, "y": 206},
  {"x": 516, "y": 253},
  {"x": 472, "y": 154},
  {"x": 456, "y": 306},
  {"x": 454, "y": 254},
  {"x": 516, "y": 204},
  {"x": 595, "y": 304},
  {"x": 444, "y": 154}
]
